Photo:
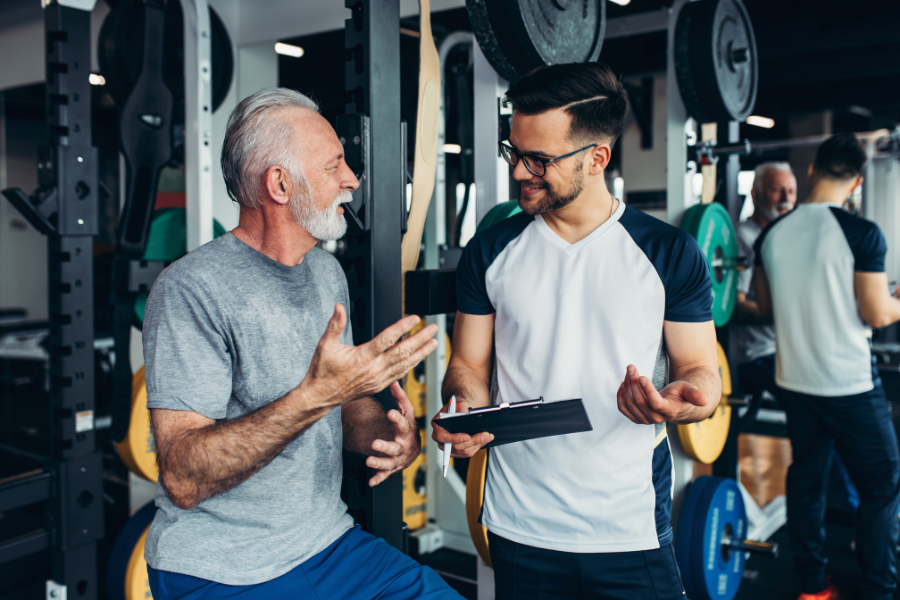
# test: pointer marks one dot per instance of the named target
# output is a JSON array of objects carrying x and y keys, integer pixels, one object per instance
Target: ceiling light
[
  {"x": 96, "y": 79},
  {"x": 452, "y": 148},
  {"x": 621, "y": 2},
  {"x": 288, "y": 50},
  {"x": 764, "y": 122}
]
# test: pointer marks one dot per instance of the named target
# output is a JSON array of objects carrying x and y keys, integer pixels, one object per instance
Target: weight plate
[
  {"x": 724, "y": 371},
  {"x": 686, "y": 518},
  {"x": 123, "y": 548},
  {"x": 558, "y": 31},
  {"x": 474, "y": 499},
  {"x": 716, "y": 571},
  {"x": 412, "y": 387},
  {"x": 482, "y": 19},
  {"x": 711, "y": 226},
  {"x": 704, "y": 441},
  {"x": 415, "y": 513},
  {"x": 716, "y": 62},
  {"x": 138, "y": 450},
  {"x": 137, "y": 584},
  {"x": 120, "y": 53},
  {"x": 518, "y": 35},
  {"x": 502, "y": 211}
]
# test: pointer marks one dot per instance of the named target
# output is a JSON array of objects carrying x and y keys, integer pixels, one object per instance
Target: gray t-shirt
[
  {"x": 227, "y": 331},
  {"x": 753, "y": 341}
]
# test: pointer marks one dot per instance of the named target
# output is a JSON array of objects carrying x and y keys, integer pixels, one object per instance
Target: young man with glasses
[{"x": 581, "y": 297}]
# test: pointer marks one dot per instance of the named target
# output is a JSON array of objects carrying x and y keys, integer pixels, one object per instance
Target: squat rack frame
[{"x": 65, "y": 209}]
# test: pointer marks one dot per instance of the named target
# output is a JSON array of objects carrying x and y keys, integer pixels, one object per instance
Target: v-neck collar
[{"x": 568, "y": 248}]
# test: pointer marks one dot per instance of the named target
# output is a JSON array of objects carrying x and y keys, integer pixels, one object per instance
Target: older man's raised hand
[{"x": 339, "y": 374}]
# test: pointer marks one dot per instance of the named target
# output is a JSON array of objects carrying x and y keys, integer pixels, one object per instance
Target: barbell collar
[
  {"x": 751, "y": 547},
  {"x": 741, "y": 149},
  {"x": 736, "y": 264}
]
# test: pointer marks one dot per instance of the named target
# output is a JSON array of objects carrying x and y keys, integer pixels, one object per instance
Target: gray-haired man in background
[
  {"x": 774, "y": 193},
  {"x": 254, "y": 386}
]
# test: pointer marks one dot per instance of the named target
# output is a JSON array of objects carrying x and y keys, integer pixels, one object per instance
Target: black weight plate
[
  {"x": 481, "y": 17},
  {"x": 121, "y": 550},
  {"x": 121, "y": 49},
  {"x": 716, "y": 62},
  {"x": 552, "y": 32},
  {"x": 518, "y": 35}
]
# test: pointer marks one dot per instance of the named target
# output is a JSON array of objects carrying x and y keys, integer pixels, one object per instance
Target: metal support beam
[
  {"x": 491, "y": 171},
  {"x": 70, "y": 190},
  {"x": 679, "y": 195},
  {"x": 25, "y": 489},
  {"x": 372, "y": 258},
  {"x": 198, "y": 122},
  {"x": 24, "y": 545}
]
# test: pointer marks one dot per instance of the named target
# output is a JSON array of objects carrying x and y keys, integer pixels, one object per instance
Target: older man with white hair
[
  {"x": 774, "y": 193},
  {"x": 254, "y": 386}
]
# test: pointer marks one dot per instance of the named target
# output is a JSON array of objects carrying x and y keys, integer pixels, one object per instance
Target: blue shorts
[{"x": 356, "y": 566}]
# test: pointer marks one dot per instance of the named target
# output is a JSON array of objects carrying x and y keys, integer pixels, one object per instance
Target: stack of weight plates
[{"x": 713, "y": 509}]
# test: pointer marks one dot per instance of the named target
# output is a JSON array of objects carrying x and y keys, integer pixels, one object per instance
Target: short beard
[
  {"x": 778, "y": 210},
  {"x": 324, "y": 224},
  {"x": 552, "y": 199}
]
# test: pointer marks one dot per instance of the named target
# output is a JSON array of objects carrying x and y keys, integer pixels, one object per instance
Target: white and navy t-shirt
[
  {"x": 569, "y": 319},
  {"x": 810, "y": 256}
]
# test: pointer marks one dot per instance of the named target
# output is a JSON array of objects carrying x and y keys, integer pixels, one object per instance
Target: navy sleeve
[
  {"x": 688, "y": 285},
  {"x": 866, "y": 241},
  {"x": 757, "y": 247},
  {"x": 471, "y": 289},
  {"x": 471, "y": 286},
  {"x": 679, "y": 263}
]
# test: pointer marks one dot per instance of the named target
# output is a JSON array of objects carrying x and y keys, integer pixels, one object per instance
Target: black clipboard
[{"x": 511, "y": 422}]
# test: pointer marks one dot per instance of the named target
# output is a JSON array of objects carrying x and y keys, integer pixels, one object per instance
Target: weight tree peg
[{"x": 750, "y": 547}]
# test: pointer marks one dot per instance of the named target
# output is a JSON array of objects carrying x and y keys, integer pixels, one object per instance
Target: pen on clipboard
[{"x": 448, "y": 447}]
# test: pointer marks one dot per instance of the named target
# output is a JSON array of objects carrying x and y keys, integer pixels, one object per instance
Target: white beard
[{"x": 325, "y": 224}]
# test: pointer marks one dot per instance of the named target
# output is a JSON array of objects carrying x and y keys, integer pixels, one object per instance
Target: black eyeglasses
[{"x": 536, "y": 165}]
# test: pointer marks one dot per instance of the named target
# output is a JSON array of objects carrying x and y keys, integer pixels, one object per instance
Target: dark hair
[
  {"x": 589, "y": 92},
  {"x": 840, "y": 157}
]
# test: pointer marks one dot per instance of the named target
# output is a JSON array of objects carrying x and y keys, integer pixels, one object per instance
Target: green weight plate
[
  {"x": 167, "y": 242},
  {"x": 502, "y": 211},
  {"x": 711, "y": 226}
]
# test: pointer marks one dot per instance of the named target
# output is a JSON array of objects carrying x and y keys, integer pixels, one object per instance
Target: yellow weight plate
[
  {"x": 138, "y": 450},
  {"x": 474, "y": 498},
  {"x": 415, "y": 514},
  {"x": 724, "y": 371},
  {"x": 705, "y": 440},
  {"x": 414, "y": 388},
  {"x": 137, "y": 587}
]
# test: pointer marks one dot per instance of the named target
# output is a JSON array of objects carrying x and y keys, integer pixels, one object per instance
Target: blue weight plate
[
  {"x": 684, "y": 533},
  {"x": 717, "y": 575},
  {"x": 122, "y": 549}
]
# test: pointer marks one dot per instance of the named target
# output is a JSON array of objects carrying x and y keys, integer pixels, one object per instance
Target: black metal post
[
  {"x": 372, "y": 258},
  {"x": 76, "y": 511},
  {"x": 727, "y": 184}
]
